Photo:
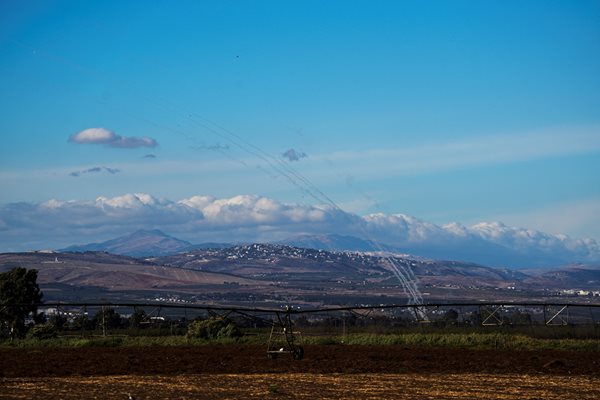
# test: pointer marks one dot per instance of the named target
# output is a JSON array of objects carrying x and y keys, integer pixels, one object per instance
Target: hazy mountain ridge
[
  {"x": 265, "y": 259},
  {"x": 138, "y": 244},
  {"x": 155, "y": 243},
  {"x": 582, "y": 276},
  {"x": 244, "y": 263},
  {"x": 345, "y": 256},
  {"x": 267, "y": 272},
  {"x": 334, "y": 242},
  {"x": 479, "y": 249}
]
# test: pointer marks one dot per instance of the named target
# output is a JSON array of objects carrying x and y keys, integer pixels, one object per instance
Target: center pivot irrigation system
[{"x": 283, "y": 339}]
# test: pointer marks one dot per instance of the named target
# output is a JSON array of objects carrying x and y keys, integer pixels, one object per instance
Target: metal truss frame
[{"x": 556, "y": 315}]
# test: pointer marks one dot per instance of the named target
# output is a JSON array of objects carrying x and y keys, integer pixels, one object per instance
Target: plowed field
[{"x": 361, "y": 372}]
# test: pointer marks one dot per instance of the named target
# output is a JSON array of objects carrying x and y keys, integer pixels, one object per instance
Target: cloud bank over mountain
[{"x": 246, "y": 218}]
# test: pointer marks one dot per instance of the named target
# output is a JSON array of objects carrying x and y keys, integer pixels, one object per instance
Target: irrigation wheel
[{"x": 298, "y": 353}]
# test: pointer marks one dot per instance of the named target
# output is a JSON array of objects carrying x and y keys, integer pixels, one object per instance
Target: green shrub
[
  {"x": 213, "y": 328},
  {"x": 42, "y": 331}
]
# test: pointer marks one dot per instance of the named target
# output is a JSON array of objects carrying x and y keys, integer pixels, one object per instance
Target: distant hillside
[
  {"x": 469, "y": 249},
  {"x": 333, "y": 242},
  {"x": 99, "y": 276},
  {"x": 154, "y": 243},
  {"x": 142, "y": 243},
  {"x": 282, "y": 262},
  {"x": 266, "y": 273},
  {"x": 478, "y": 250},
  {"x": 574, "y": 276}
]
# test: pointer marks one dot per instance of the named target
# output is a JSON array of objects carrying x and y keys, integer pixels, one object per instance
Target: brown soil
[
  {"x": 305, "y": 386},
  {"x": 326, "y": 372},
  {"x": 251, "y": 359}
]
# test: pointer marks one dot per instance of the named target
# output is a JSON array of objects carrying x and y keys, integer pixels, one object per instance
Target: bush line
[{"x": 455, "y": 340}]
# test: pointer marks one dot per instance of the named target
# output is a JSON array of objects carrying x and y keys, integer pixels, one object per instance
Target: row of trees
[{"x": 20, "y": 297}]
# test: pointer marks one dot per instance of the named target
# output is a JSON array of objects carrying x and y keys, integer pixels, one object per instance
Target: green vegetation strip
[
  {"x": 474, "y": 340},
  {"x": 471, "y": 340}
]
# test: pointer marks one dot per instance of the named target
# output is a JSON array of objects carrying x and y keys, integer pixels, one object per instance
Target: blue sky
[{"x": 447, "y": 111}]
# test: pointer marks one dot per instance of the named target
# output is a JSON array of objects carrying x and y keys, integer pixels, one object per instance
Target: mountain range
[
  {"x": 259, "y": 273},
  {"x": 154, "y": 243},
  {"x": 163, "y": 249},
  {"x": 143, "y": 243}
]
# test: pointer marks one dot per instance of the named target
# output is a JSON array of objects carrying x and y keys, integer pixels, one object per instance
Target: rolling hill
[
  {"x": 272, "y": 272},
  {"x": 138, "y": 244}
]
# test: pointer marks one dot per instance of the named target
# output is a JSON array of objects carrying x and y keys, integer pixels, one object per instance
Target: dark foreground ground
[
  {"x": 251, "y": 359},
  {"x": 231, "y": 372}
]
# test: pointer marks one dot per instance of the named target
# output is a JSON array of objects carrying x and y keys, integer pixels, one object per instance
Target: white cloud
[
  {"x": 199, "y": 219},
  {"x": 74, "y": 217},
  {"x": 198, "y": 202},
  {"x": 130, "y": 201},
  {"x": 245, "y": 210},
  {"x": 93, "y": 136},
  {"x": 111, "y": 139}
]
